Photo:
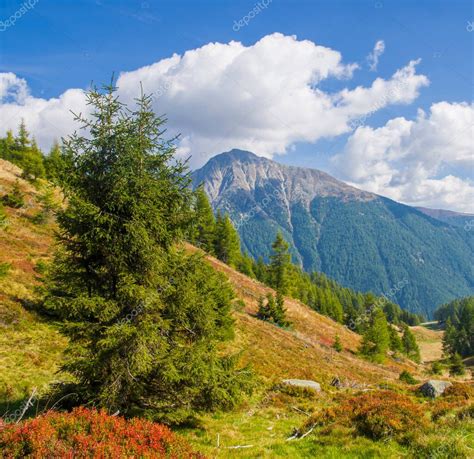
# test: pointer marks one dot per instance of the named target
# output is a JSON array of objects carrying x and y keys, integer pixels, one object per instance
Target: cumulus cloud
[
  {"x": 263, "y": 97},
  {"x": 373, "y": 57},
  {"x": 414, "y": 161}
]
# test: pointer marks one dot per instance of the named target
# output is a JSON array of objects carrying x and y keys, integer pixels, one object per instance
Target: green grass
[{"x": 30, "y": 353}]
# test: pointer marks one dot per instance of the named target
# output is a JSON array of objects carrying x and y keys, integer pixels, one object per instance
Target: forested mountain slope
[{"x": 364, "y": 241}]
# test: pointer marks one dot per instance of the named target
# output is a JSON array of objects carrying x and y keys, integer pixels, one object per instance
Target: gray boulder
[
  {"x": 307, "y": 384},
  {"x": 434, "y": 388}
]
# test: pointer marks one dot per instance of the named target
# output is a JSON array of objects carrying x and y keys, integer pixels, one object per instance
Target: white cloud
[
  {"x": 373, "y": 57},
  {"x": 12, "y": 88},
  {"x": 413, "y": 161},
  {"x": 263, "y": 97}
]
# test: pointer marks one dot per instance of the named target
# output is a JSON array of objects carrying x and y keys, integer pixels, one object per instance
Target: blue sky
[{"x": 56, "y": 46}]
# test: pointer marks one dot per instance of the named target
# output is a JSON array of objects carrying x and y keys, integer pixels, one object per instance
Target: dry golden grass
[
  {"x": 430, "y": 341},
  {"x": 305, "y": 349}
]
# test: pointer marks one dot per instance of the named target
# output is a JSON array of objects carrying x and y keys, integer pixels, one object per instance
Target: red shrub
[
  {"x": 90, "y": 434},
  {"x": 377, "y": 414},
  {"x": 384, "y": 414}
]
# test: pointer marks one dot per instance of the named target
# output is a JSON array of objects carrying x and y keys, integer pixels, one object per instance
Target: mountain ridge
[{"x": 360, "y": 239}]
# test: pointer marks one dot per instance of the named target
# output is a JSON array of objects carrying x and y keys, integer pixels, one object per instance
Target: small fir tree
[
  {"x": 279, "y": 262},
  {"x": 456, "y": 365},
  {"x": 16, "y": 198},
  {"x": 409, "y": 345},
  {"x": 337, "y": 346}
]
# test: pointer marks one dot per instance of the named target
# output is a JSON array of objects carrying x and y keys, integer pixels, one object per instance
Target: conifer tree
[
  {"x": 143, "y": 318},
  {"x": 205, "y": 233},
  {"x": 456, "y": 365},
  {"x": 337, "y": 344},
  {"x": 16, "y": 198},
  {"x": 279, "y": 315},
  {"x": 32, "y": 162},
  {"x": 376, "y": 338},
  {"x": 22, "y": 140},
  {"x": 48, "y": 205},
  {"x": 279, "y": 263},
  {"x": 227, "y": 241},
  {"x": 409, "y": 344},
  {"x": 263, "y": 312},
  {"x": 395, "y": 341},
  {"x": 246, "y": 266},
  {"x": 54, "y": 163},
  {"x": 260, "y": 270}
]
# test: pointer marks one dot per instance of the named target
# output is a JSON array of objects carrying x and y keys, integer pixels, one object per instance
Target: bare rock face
[
  {"x": 304, "y": 383},
  {"x": 434, "y": 388},
  {"x": 246, "y": 172}
]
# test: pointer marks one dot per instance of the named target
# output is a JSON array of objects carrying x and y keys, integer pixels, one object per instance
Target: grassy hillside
[
  {"x": 30, "y": 353},
  {"x": 361, "y": 240},
  {"x": 30, "y": 349}
]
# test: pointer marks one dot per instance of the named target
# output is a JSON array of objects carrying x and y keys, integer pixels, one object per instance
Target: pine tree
[
  {"x": 54, "y": 164},
  {"x": 456, "y": 365},
  {"x": 22, "y": 140},
  {"x": 246, "y": 266},
  {"x": 32, "y": 163},
  {"x": 409, "y": 345},
  {"x": 48, "y": 205},
  {"x": 395, "y": 341},
  {"x": 260, "y": 270},
  {"x": 279, "y": 262},
  {"x": 279, "y": 315},
  {"x": 263, "y": 312},
  {"x": 227, "y": 241},
  {"x": 376, "y": 338},
  {"x": 205, "y": 233},
  {"x": 143, "y": 318},
  {"x": 16, "y": 198},
  {"x": 337, "y": 344}
]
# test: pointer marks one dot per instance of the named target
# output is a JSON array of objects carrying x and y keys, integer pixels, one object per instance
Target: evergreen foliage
[
  {"x": 205, "y": 231},
  {"x": 409, "y": 345},
  {"x": 456, "y": 365},
  {"x": 16, "y": 198},
  {"x": 395, "y": 341},
  {"x": 227, "y": 241},
  {"x": 337, "y": 346},
  {"x": 54, "y": 164},
  {"x": 376, "y": 338},
  {"x": 280, "y": 260},
  {"x": 458, "y": 316},
  {"x": 143, "y": 318},
  {"x": 23, "y": 152},
  {"x": 273, "y": 310}
]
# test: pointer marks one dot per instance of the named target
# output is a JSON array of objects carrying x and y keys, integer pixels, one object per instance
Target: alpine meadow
[{"x": 254, "y": 241}]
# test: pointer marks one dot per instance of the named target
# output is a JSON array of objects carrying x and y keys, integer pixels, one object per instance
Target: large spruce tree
[{"x": 143, "y": 317}]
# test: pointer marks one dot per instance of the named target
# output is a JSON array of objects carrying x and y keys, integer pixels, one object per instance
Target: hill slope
[
  {"x": 30, "y": 353},
  {"x": 362, "y": 240}
]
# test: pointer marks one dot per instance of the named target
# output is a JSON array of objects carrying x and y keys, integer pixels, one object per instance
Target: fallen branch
[
  {"x": 297, "y": 436},
  {"x": 239, "y": 446},
  {"x": 301, "y": 411}
]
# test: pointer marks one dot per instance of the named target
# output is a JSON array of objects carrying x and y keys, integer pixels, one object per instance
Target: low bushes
[
  {"x": 377, "y": 415},
  {"x": 85, "y": 433}
]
